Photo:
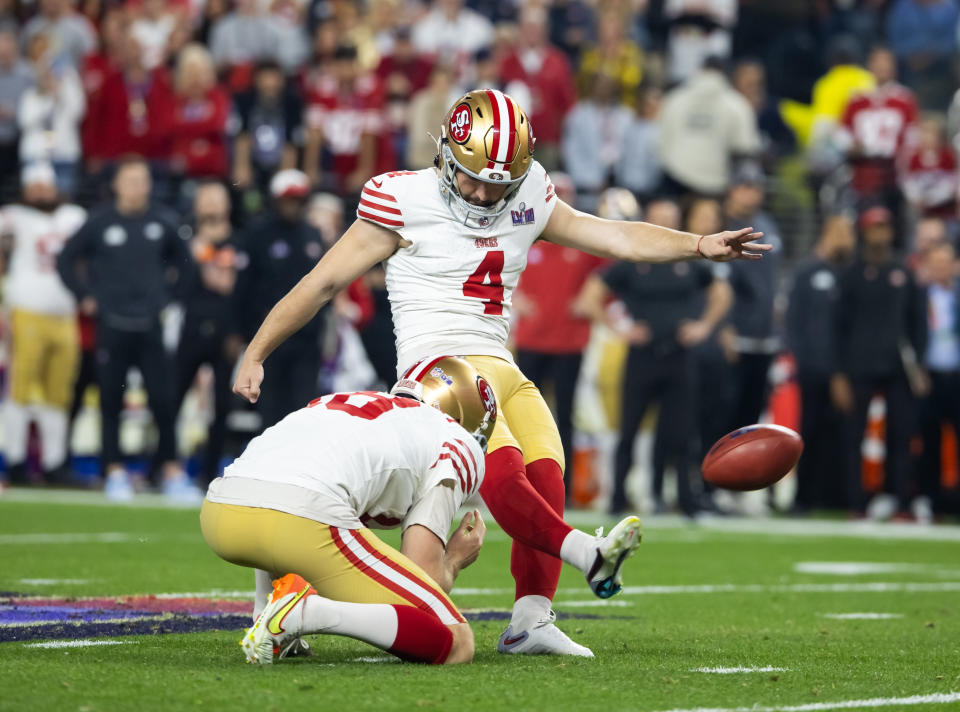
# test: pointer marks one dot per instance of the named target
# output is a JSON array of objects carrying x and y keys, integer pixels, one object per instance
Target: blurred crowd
[{"x": 168, "y": 170}]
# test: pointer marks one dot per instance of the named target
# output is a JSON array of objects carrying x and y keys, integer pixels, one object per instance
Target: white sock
[
  {"x": 579, "y": 549},
  {"x": 528, "y": 610},
  {"x": 52, "y": 423},
  {"x": 16, "y": 425},
  {"x": 374, "y": 623},
  {"x": 264, "y": 587}
]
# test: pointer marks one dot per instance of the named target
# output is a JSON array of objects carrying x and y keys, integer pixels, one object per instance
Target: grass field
[{"x": 773, "y": 595}]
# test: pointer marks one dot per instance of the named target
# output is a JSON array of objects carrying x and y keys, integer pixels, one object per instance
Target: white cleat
[
  {"x": 612, "y": 550},
  {"x": 179, "y": 490},
  {"x": 278, "y": 626},
  {"x": 544, "y": 638},
  {"x": 118, "y": 487}
]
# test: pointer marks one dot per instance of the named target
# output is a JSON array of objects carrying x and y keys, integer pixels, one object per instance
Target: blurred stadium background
[{"x": 831, "y": 125}]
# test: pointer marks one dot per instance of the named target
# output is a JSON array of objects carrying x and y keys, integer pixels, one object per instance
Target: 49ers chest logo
[{"x": 460, "y": 122}]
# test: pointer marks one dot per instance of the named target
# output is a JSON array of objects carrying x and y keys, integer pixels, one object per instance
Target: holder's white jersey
[
  {"x": 33, "y": 283},
  {"x": 358, "y": 459},
  {"x": 450, "y": 290}
]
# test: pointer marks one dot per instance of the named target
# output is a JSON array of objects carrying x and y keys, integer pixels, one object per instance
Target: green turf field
[{"x": 723, "y": 594}]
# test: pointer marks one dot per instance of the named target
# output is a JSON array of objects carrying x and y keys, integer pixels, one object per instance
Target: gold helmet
[
  {"x": 486, "y": 135},
  {"x": 453, "y": 386}
]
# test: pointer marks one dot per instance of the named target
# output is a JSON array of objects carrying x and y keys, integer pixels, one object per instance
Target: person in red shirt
[
  {"x": 929, "y": 174},
  {"x": 875, "y": 129},
  {"x": 550, "y": 337},
  {"x": 133, "y": 113},
  {"x": 199, "y": 117},
  {"x": 403, "y": 70},
  {"x": 546, "y": 72},
  {"x": 344, "y": 115},
  {"x": 97, "y": 67}
]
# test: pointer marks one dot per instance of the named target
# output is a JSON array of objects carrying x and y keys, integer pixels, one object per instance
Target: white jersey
[
  {"x": 33, "y": 283},
  {"x": 359, "y": 459},
  {"x": 451, "y": 290}
]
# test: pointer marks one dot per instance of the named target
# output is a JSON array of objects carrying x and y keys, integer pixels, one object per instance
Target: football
[{"x": 752, "y": 457}]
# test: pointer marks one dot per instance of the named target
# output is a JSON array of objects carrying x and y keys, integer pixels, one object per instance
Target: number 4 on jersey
[{"x": 486, "y": 283}]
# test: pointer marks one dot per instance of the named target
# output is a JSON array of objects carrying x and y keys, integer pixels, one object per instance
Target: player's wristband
[{"x": 698, "y": 246}]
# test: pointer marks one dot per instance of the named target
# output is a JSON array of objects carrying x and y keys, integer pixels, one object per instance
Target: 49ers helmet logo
[
  {"x": 487, "y": 397},
  {"x": 461, "y": 120}
]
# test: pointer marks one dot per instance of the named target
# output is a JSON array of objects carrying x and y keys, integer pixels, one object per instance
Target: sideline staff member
[{"x": 128, "y": 249}]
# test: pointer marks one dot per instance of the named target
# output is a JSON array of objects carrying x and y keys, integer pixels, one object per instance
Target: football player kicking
[
  {"x": 455, "y": 240},
  {"x": 301, "y": 497}
]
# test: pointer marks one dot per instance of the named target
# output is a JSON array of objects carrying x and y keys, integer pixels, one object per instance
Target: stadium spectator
[
  {"x": 99, "y": 65},
  {"x": 200, "y": 112},
  {"x": 593, "y": 136},
  {"x": 403, "y": 69},
  {"x": 270, "y": 128},
  {"x": 132, "y": 114},
  {"x": 704, "y": 125},
  {"x": 923, "y": 36},
  {"x": 16, "y": 77},
  {"x": 249, "y": 34},
  {"x": 546, "y": 72},
  {"x": 929, "y": 175},
  {"x": 128, "y": 250},
  {"x": 209, "y": 319},
  {"x": 811, "y": 339},
  {"x": 153, "y": 28},
  {"x": 452, "y": 32},
  {"x": 550, "y": 334},
  {"x": 928, "y": 233},
  {"x": 278, "y": 250},
  {"x": 755, "y": 289},
  {"x": 49, "y": 115},
  {"x": 776, "y": 139},
  {"x": 43, "y": 327},
  {"x": 879, "y": 315},
  {"x": 572, "y": 24},
  {"x": 614, "y": 57},
  {"x": 815, "y": 124},
  {"x": 875, "y": 128},
  {"x": 70, "y": 34},
  {"x": 697, "y": 30},
  {"x": 666, "y": 317},
  {"x": 425, "y": 107},
  {"x": 638, "y": 167},
  {"x": 941, "y": 406},
  {"x": 344, "y": 113}
]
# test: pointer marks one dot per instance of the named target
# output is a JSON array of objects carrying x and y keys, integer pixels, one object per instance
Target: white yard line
[
  {"x": 859, "y": 587},
  {"x": 736, "y": 670},
  {"x": 78, "y": 643},
  {"x": 862, "y": 568},
  {"x": 862, "y": 616},
  {"x": 593, "y": 603},
  {"x": 934, "y": 699},
  {"x": 52, "y": 581},
  {"x": 71, "y": 538}
]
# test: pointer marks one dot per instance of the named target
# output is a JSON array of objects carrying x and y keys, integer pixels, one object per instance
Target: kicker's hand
[
  {"x": 732, "y": 245},
  {"x": 249, "y": 378}
]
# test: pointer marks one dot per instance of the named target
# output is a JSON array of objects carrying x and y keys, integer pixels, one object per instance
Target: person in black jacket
[
  {"x": 811, "y": 339},
  {"x": 670, "y": 309},
  {"x": 754, "y": 287},
  {"x": 277, "y": 251},
  {"x": 209, "y": 320},
  {"x": 880, "y": 329},
  {"x": 118, "y": 265}
]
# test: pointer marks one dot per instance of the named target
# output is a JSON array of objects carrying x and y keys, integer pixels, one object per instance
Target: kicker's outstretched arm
[{"x": 643, "y": 242}]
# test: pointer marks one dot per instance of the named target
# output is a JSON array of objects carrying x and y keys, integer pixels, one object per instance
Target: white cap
[
  {"x": 38, "y": 172},
  {"x": 290, "y": 183}
]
